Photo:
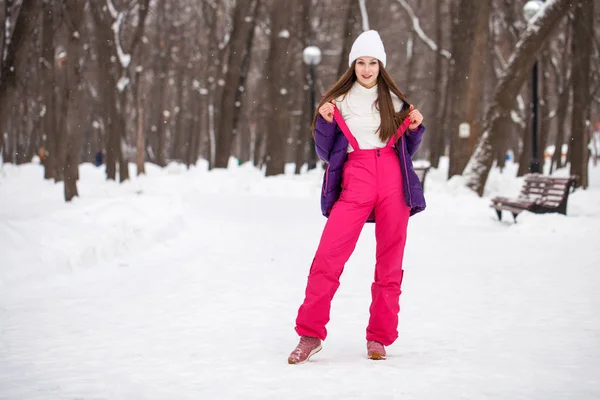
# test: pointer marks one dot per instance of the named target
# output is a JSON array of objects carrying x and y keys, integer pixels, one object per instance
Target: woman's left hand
[{"x": 415, "y": 118}]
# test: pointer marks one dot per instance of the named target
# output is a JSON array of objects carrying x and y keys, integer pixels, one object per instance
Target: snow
[
  {"x": 122, "y": 83},
  {"x": 409, "y": 47},
  {"x": 184, "y": 284},
  {"x": 531, "y": 8},
  {"x": 124, "y": 58},
  {"x": 7, "y": 35},
  {"x": 111, "y": 9}
]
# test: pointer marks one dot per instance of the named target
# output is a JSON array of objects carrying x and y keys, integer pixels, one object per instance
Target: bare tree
[
  {"x": 478, "y": 168},
  {"x": 563, "y": 92},
  {"x": 240, "y": 45},
  {"x": 48, "y": 89},
  {"x": 116, "y": 75},
  {"x": 13, "y": 59},
  {"x": 277, "y": 82}
]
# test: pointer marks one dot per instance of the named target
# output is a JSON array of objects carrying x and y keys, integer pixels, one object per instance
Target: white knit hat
[{"x": 367, "y": 44}]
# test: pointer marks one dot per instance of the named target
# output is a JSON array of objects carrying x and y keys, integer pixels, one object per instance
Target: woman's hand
[
  {"x": 326, "y": 111},
  {"x": 415, "y": 118}
]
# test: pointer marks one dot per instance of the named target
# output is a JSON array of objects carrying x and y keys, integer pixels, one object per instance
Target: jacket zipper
[
  {"x": 407, "y": 183},
  {"x": 326, "y": 179}
]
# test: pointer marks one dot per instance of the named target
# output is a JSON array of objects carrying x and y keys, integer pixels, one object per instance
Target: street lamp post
[
  {"x": 530, "y": 9},
  {"x": 312, "y": 58}
]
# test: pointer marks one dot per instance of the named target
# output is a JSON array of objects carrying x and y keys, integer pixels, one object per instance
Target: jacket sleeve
[
  {"x": 324, "y": 137},
  {"x": 413, "y": 140}
]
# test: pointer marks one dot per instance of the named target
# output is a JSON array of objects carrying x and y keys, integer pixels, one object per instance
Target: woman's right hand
[{"x": 327, "y": 110}]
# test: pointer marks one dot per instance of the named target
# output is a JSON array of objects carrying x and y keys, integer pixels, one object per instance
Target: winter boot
[
  {"x": 306, "y": 348},
  {"x": 375, "y": 350}
]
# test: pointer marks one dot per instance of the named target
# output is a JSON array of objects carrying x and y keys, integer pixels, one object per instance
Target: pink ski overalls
[{"x": 372, "y": 181}]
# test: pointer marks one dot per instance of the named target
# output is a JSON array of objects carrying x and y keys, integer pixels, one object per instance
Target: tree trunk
[
  {"x": 561, "y": 116},
  {"x": 564, "y": 94},
  {"x": 544, "y": 106},
  {"x": 73, "y": 18},
  {"x": 526, "y": 135},
  {"x": 121, "y": 137},
  {"x": 115, "y": 78},
  {"x": 304, "y": 135},
  {"x": 179, "y": 141},
  {"x": 469, "y": 49},
  {"x": 161, "y": 117},
  {"x": 13, "y": 60},
  {"x": 581, "y": 61},
  {"x": 48, "y": 87},
  {"x": 63, "y": 109},
  {"x": 240, "y": 46},
  {"x": 506, "y": 126},
  {"x": 139, "y": 118},
  {"x": 108, "y": 107},
  {"x": 277, "y": 81},
  {"x": 352, "y": 28},
  {"x": 532, "y": 40},
  {"x": 437, "y": 133},
  {"x": 211, "y": 74},
  {"x": 194, "y": 132}
]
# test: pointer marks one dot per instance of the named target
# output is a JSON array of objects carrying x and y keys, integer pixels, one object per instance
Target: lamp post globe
[{"x": 312, "y": 55}]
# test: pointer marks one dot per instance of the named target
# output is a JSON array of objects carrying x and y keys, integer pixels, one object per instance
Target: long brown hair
[{"x": 390, "y": 119}]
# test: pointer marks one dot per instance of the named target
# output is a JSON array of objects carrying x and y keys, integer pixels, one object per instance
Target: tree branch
[{"x": 417, "y": 28}]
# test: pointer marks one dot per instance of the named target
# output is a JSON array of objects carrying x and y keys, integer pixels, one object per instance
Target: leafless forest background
[{"x": 179, "y": 80}]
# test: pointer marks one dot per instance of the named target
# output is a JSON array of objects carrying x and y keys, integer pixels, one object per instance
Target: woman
[{"x": 361, "y": 132}]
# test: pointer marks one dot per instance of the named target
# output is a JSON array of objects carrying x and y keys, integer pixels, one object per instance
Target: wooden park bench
[
  {"x": 421, "y": 171},
  {"x": 540, "y": 194}
]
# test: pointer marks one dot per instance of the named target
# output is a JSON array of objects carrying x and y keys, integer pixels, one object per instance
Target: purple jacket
[{"x": 332, "y": 147}]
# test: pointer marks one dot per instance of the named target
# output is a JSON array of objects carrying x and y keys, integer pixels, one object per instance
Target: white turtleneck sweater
[{"x": 362, "y": 117}]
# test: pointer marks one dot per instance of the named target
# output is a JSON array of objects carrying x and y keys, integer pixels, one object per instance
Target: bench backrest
[{"x": 545, "y": 190}]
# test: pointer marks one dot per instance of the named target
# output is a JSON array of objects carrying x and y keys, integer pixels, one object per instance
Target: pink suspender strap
[
  {"x": 401, "y": 129},
  {"x": 345, "y": 130}
]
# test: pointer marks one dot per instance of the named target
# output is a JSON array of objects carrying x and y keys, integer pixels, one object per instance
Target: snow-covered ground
[{"x": 185, "y": 285}]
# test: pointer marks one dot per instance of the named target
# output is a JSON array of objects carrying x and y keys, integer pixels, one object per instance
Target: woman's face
[{"x": 367, "y": 71}]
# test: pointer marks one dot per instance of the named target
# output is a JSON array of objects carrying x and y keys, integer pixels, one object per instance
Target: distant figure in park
[
  {"x": 42, "y": 154},
  {"x": 367, "y": 132},
  {"x": 99, "y": 157}
]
